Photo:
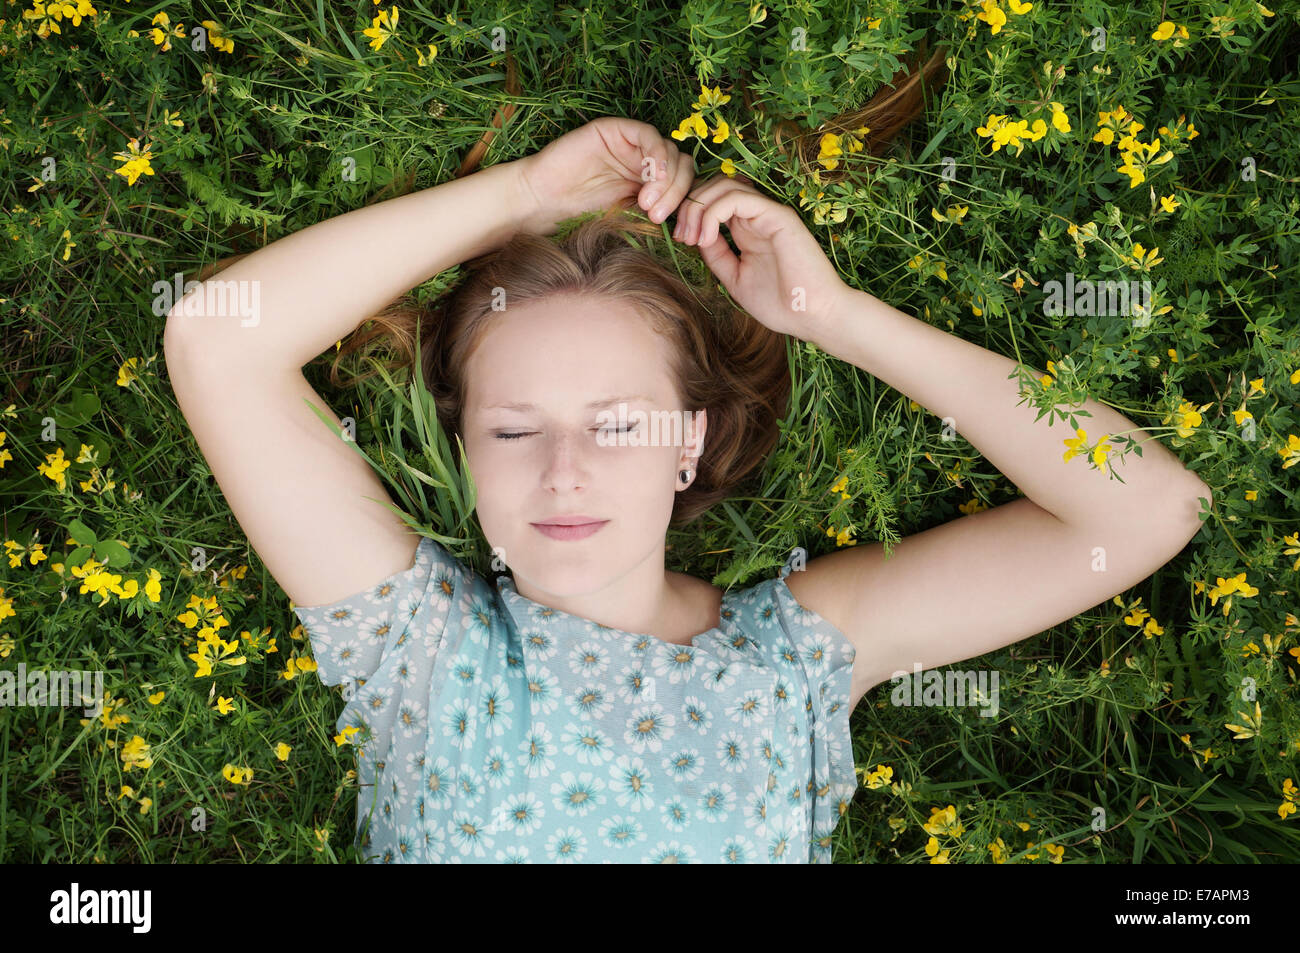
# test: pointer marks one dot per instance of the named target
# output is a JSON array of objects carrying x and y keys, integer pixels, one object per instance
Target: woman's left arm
[{"x": 785, "y": 280}]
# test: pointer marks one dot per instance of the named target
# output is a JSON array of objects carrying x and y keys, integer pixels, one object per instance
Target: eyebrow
[{"x": 602, "y": 402}]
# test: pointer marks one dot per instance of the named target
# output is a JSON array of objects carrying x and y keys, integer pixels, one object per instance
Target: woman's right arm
[{"x": 235, "y": 363}]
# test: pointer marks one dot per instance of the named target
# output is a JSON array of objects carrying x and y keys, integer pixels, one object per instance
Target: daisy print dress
[{"x": 493, "y": 729}]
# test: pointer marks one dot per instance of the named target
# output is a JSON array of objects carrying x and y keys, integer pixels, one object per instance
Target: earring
[{"x": 685, "y": 476}]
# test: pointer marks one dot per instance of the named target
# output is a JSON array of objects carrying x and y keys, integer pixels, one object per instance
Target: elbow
[
  {"x": 1188, "y": 508},
  {"x": 172, "y": 331}
]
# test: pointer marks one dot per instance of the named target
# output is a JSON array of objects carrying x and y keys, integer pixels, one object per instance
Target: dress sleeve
[
  {"x": 827, "y": 656},
  {"x": 350, "y": 638}
]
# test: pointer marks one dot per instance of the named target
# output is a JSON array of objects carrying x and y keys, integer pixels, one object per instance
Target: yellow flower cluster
[
  {"x": 1139, "y": 259},
  {"x": 1004, "y": 132},
  {"x": 145, "y": 802},
  {"x": 297, "y": 665},
  {"x": 1078, "y": 445},
  {"x": 1226, "y": 587},
  {"x": 130, "y": 369},
  {"x": 930, "y": 266},
  {"x": 106, "y": 716},
  {"x": 135, "y": 754},
  {"x": 1120, "y": 128},
  {"x": 942, "y": 822},
  {"x": 695, "y": 125},
  {"x": 382, "y": 28},
  {"x": 211, "y": 647},
  {"x": 1206, "y": 754},
  {"x": 344, "y": 737},
  {"x": 35, "y": 553},
  {"x": 1167, "y": 29},
  {"x": 824, "y": 212},
  {"x": 994, "y": 16},
  {"x": 1291, "y": 452},
  {"x": 1252, "y": 725},
  {"x": 237, "y": 775},
  {"x": 221, "y": 42},
  {"x": 136, "y": 161},
  {"x": 1187, "y": 418},
  {"x": 954, "y": 214},
  {"x": 882, "y": 775},
  {"x": 94, "y": 579},
  {"x": 831, "y": 146},
  {"x": 161, "y": 32},
  {"x": 1140, "y": 618},
  {"x": 1288, "y": 805},
  {"x": 843, "y": 537},
  {"x": 50, "y": 15}
]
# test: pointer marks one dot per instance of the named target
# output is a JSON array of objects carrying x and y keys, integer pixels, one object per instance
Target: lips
[{"x": 570, "y": 531}]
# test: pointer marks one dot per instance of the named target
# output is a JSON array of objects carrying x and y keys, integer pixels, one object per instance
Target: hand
[
  {"x": 594, "y": 166},
  {"x": 782, "y": 277}
]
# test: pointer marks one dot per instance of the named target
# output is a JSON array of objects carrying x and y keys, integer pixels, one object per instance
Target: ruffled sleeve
[
  {"x": 351, "y": 638},
  {"x": 827, "y": 656}
]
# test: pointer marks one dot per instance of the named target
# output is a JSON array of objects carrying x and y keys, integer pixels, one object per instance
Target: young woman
[{"x": 592, "y": 706}]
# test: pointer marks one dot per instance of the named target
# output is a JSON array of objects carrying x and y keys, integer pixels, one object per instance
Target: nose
[{"x": 565, "y": 468}]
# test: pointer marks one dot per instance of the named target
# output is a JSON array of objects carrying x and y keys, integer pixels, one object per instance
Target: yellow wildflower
[
  {"x": 692, "y": 125},
  {"x": 136, "y": 162},
  {"x": 163, "y": 37},
  {"x": 710, "y": 98},
  {"x": 383, "y": 26},
  {"x": 53, "y": 467},
  {"x": 345, "y": 736},
  {"x": 216, "y": 39},
  {"x": 237, "y": 775},
  {"x": 991, "y": 14},
  {"x": 135, "y": 754}
]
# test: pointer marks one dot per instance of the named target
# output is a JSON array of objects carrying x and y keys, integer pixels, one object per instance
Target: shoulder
[{"x": 352, "y": 634}]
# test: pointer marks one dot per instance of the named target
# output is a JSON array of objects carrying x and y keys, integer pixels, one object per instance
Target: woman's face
[{"x": 560, "y": 361}]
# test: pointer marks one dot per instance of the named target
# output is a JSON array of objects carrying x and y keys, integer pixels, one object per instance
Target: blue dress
[{"x": 493, "y": 729}]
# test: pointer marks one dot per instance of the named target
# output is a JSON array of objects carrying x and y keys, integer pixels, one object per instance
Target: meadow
[{"x": 1096, "y": 142}]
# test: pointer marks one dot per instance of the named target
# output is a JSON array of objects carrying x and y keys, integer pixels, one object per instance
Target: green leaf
[
  {"x": 112, "y": 553},
  {"x": 82, "y": 533},
  {"x": 77, "y": 411}
]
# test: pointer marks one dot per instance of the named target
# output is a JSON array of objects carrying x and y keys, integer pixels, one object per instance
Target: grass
[{"x": 1110, "y": 747}]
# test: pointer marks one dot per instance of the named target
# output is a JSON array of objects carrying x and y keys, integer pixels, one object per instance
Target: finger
[
  {"x": 682, "y": 178},
  {"x": 737, "y": 203},
  {"x": 707, "y": 196},
  {"x": 689, "y": 214},
  {"x": 655, "y": 177},
  {"x": 659, "y": 188},
  {"x": 722, "y": 261},
  {"x": 650, "y": 158}
]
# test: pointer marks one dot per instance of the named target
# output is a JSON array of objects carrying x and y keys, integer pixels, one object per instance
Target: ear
[{"x": 697, "y": 425}]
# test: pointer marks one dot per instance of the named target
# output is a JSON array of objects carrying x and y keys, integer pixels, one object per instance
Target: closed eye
[{"x": 526, "y": 433}]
